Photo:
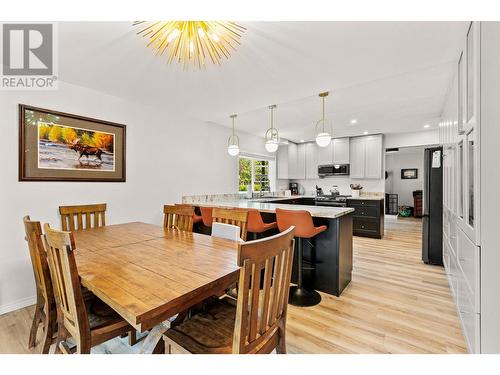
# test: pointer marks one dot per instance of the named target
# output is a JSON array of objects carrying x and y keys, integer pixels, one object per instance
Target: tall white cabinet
[
  {"x": 469, "y": 133},
  {"x": 366, "y": 157}
]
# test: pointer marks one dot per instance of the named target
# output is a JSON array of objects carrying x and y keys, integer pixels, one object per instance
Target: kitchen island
[{"x": 327, "y": 263}]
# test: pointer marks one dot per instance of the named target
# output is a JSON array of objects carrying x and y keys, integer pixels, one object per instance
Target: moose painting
[{"x": 64, "y": 147}]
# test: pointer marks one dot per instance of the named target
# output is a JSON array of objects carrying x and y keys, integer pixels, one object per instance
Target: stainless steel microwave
[{"x": 327, "y": 170}]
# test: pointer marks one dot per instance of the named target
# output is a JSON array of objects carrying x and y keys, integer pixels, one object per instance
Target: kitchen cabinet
[
  {"x": 368, "y": 217},
  {"x": 357, "y": 150},
  {"x": 311, "y": 150},
  {"x": 366, "y": 157},
  {"x": 296, "y": 161},
  {"x": 340, "y": 150},
  {"x": 325, "y": 154},
  {"x": 282, "y": 162}
]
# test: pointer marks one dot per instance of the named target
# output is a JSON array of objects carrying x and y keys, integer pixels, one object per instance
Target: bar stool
[
  {"x": 206, "y": 216},
  {"x": 256, "y": 224},
  {"x": 304, "y": 228}
]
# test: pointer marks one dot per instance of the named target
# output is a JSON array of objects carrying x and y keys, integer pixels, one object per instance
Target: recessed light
[
  {"x": 354, "y": 121},
  {"x": 427, "y": 126},
  {"x": 365, "y": 133},
  {"x": 302, "y": 140}
]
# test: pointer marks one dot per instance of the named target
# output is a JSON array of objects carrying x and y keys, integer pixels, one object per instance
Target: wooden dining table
[{"x": 149, "y": 274}]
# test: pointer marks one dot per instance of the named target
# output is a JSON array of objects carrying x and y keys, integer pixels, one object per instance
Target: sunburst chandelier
[{"x": 192, "y": 42}]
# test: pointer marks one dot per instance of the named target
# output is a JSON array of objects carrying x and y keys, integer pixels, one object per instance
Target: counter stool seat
[
  {"x": 256, "y": 224},
  {"x": 304, "y": 228},
  {"x": 206, "y": 216}
]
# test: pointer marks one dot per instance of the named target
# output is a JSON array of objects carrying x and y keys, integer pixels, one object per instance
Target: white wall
[
  {"x": 167, "y": 157},
  {"x": 422, "y": 138},
  {"x": 412, "y": 157}
]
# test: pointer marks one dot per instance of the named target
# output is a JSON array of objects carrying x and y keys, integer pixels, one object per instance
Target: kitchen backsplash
[{"x": 308, "y": 187}]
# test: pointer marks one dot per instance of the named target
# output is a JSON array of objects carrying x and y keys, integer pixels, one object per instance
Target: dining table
[{"x": 150, "y": 274}]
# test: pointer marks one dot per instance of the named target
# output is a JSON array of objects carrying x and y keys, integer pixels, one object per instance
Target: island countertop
[{"x": 315, "y": 211}]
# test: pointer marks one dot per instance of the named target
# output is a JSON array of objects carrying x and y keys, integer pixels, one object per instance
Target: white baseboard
[{"x": 19, "y": 304}]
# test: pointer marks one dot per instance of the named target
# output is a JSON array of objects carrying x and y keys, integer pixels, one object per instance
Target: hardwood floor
[{"x": 394, "y": 304}]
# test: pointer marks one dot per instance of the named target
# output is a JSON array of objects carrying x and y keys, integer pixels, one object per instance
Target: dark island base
[{"x": 327, "y": 260}]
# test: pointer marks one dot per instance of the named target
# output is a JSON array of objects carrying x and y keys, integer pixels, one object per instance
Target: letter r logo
[{"x": 27, "y": 49}]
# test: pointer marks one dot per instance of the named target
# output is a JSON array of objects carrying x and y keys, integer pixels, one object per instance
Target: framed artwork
[
  {"x": 57, "y": 146},
  {"x": 409, "y": 173}
]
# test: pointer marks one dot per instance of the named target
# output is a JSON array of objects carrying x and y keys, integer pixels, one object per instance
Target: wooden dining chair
[
  {"x": 83, "y": 216},
  {"x": 45, "y": 308},
  {"x": 74, "y": 317},
  {"x": 258, "y": 321},
  {"x": 232, "y": 216},
  {"x": 179, "y": 217}
]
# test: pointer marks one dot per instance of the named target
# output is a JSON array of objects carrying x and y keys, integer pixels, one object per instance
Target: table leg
[{"x": 153, "y": 343}]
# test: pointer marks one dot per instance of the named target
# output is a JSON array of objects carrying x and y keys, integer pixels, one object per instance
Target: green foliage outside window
[{"x": 256, "y": 171}]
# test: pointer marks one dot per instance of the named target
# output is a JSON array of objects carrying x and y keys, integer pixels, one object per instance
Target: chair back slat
[
  {"x": 261, "y": 315},
  {"x": 67, "y": 290},
  {"x": 38, "y": 257},
  {"x": 179, "y": 217},
  {"x": 231, "y": 216},
  {"x": 80, "y": 217}
]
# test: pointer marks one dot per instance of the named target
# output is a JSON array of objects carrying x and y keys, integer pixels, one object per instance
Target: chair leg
[
  {"x": 36, "y": 322},
  {"x": 62, "y": 335},
  {"x": 132, "y": 338},
  {"x": 49, "y": 329},
  {"x": 281, "y": 348}
]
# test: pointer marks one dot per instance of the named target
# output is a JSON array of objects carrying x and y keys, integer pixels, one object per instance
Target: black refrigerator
[{"x": 432, "y": 219}]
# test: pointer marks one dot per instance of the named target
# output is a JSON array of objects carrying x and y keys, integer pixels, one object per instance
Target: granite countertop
[{"x": 316, "y": 211}]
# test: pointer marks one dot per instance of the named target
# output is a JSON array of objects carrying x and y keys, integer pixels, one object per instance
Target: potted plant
[{"x": 355, "y": 189}]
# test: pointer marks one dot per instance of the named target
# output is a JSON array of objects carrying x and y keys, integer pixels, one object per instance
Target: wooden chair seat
[{"x": 208, "y": 332}]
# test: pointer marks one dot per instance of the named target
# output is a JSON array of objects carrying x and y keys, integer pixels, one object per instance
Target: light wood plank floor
[{"x": 394, "y": 304}]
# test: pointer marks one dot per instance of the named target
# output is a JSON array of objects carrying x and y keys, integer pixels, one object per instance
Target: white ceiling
[{"x": 390, "y": 76}]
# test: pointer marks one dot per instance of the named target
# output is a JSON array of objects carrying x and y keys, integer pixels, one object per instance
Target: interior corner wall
[{"x": 167, "y": 157}]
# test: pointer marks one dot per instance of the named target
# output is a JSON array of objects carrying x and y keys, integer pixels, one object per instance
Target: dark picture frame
[
  {"x": 409, "y": 174},
  {"x": 79, "y": 149}
]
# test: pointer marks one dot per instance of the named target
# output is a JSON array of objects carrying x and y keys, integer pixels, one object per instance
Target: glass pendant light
[
  {"x": 323, "y": 126},
  {"x": 272, "y": 135},
  {"x": 233, "y": 143}
]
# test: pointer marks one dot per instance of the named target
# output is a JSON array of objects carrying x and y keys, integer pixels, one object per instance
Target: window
[{"x": 255, "y": 174}]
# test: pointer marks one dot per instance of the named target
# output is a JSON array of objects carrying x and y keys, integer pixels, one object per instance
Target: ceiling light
[
  {"x": 187, "y": 43},
  {"x": 365, "y": 133},
  {"x": 272, "y": 136},
  {"x": 233, "y": 143},
  {"x": 301, "y": 141},
  {"x": 427, "y": 126},
  {"x": 323, "y": 137},
  {"x": 354, "y": 121}
]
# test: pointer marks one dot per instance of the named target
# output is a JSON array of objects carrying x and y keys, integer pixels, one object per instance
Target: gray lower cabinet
[{"x": 368, "y": 217}]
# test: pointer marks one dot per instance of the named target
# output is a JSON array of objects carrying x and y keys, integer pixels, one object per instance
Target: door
[
  {"x": 282, "y": 162},
  {"x": 301, "y": 161},
  {"x": 292, "y": 161},
  {"x": 357, "y": 157}
]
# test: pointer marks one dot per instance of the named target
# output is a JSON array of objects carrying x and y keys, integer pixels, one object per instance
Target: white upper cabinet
[
  {"x": 282, "y": 162},
  {"x": 301, "y": 161},
  {"x": 311, "y": 160},
  {"x": 292, "y": 160},
  {"x": 357, "y": 151},
  {"x": 340, "y": 150},
  {"x": 373, "y": 156},
  {"x": 366, "y": 157},
  {"x": 325, "y": 154}
]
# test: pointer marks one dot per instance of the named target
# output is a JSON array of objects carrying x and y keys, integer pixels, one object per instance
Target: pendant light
[
  {"x": 233, "y": 143},
  {"x": 272, "y": 135},
  {"x": 323, "y": 126}
]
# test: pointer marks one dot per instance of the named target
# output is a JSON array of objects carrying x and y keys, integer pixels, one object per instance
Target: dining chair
[
  {"x": 75, "y": 318},
  {"x": 93, "y": 215},
  {"x": 196, "y": 218},
  {"x": 231, "y": 216},
  {"x": 226, "y": 231},
  {"x": 45, "y": 308},
  {"x": 179, "y": 217},
  {"x": 256, "y": 321}
]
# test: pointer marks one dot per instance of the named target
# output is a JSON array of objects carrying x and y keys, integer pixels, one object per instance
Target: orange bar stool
[
  {"x": 206, "y": 216},
  {"x": 255, "y": 223},
  {"x": 304, "y": 228}
]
